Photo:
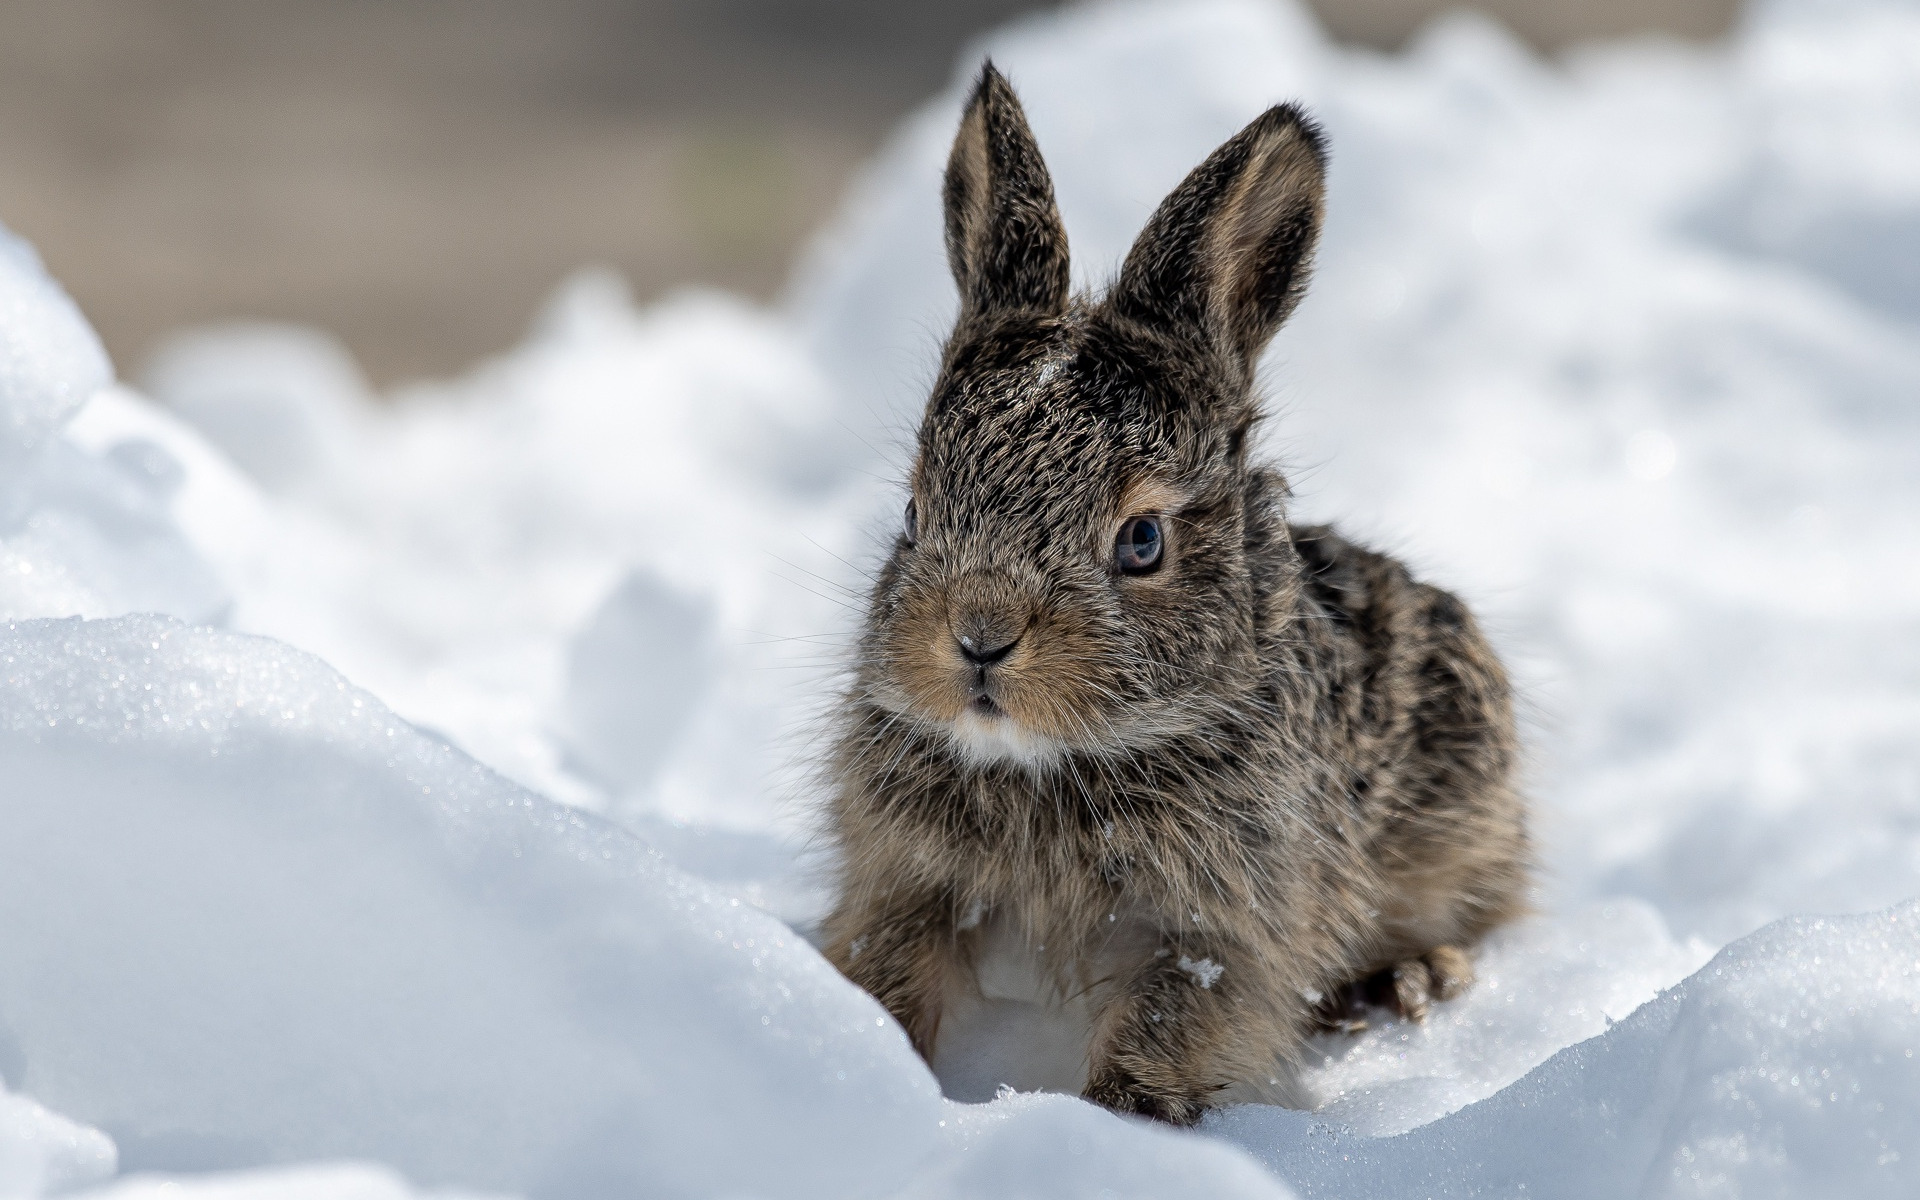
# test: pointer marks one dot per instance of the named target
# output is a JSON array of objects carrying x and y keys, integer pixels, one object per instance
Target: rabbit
[{"x": 1224, "y": 781}]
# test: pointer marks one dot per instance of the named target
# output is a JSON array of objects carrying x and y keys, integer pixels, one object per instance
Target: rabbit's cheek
[
  {"x": 1058, "y": 683},
  {"x": 925, "y": 670}
]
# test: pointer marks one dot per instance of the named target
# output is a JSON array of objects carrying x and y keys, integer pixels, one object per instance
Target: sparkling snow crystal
[{"x": 1204, "y": 971}]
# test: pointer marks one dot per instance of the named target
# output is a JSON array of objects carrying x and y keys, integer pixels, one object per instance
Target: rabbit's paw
[
  {"x": 1407, "y": 989},
  {"x": 1344, "y": 1009},
  {"x": 1121, "y": 1092},
  {"x": 1440, "y": 974}
]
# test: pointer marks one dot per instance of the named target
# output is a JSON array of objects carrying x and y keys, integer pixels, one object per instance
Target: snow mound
[
  {"x": 254, "y": 918},
  {"x": 1784, "y": 1068},
  {"x": 276, "y": 399},
  {"x": 1042, "y": 1147},
  {"x": 50, "y": 359},
  {"x": 676, "y": 450},
  {"x": 42, "y": 1151},
  {"x": 96, "y": 531},
  {"x": 635, "y": 671},
  {"x": 79, "y": 532},
  {"x": 1543, "y": 985},
  {"x": 345, "y": 1181}
]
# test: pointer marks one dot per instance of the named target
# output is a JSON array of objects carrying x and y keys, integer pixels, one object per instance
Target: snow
[
  {"x": 1543, "y": 984},
  {"x": 1784, "y": 1068},
  {"x": 42, "y": 1151},
  {"x": 78, "y": 533},
  {"x": 1204, "y": 971},
  {"x": 421, "y": 804},
  {"x": 1036, "y": 1146},
  {"x": 322, "y": 933},
  {"x": 342, "y": 1181},
  {"x": 50, "y": 360}
]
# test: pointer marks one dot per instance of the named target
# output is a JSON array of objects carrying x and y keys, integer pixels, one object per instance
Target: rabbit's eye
[
  {"x": 1137, "y": 550},
  {"x": 910, "y": 524}
]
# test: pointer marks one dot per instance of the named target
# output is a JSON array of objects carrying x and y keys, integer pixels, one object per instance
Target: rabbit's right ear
[
  {"x": 1005, "y": 242},
  {"x": 1225, "y": 258}
]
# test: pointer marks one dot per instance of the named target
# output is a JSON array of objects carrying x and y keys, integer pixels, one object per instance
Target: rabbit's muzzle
[
  {"x": 981, "y": 656},
  {"x": 988, "y": 618},
  {"x": 985, "y": 643}
]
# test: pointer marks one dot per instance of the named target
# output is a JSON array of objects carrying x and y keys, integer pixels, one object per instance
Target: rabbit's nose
[
  {"x": 985, "y": 650},
  {"x": 987, "y": 614}
]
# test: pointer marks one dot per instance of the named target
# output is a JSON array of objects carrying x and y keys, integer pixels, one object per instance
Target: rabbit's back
[{"x": 1413, "y": 705}]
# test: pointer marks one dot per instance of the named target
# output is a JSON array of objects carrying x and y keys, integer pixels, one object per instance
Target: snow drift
[
  {"x": 1735, "y": 1082},
  {"x": 325, "y": 934},
  {"x": 409, "y": 795}
]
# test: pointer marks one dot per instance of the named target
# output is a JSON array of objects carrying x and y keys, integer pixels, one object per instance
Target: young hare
[{"x": 1215, "y": 780}]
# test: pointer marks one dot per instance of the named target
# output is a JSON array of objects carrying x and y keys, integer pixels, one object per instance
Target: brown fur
[{"x": 1278, "y": 754}]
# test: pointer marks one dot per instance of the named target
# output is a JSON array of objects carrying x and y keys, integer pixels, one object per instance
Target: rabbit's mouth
[{"x": 984, "y": 734}]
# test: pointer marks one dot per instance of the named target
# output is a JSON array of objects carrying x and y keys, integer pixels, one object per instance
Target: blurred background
[{"x": 416, "y": 175}]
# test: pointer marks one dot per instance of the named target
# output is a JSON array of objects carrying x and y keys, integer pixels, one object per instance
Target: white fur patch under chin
[{"x": 999, "y": 739}]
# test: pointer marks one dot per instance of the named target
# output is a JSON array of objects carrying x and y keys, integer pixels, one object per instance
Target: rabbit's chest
[
  {"x": 1055, "y": 838},
  {"x": 1023, "y": 1015}
]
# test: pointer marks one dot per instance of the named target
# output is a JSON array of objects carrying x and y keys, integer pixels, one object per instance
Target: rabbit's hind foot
[{"x": 1407, "y": 989}]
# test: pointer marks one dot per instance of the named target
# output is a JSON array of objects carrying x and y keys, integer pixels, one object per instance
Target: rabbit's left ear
[
  {"x": 1226, "y": 256},
  {"x": 1005, "y": 242}
]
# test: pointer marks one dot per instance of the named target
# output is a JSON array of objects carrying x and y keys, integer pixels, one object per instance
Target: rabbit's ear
[
  {"x": 1226, "y": 256},
  {"x": 1005, "y": 242}
]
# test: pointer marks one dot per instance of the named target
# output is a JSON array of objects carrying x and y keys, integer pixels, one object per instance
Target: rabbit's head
[{"x": 1074, "y": 572}]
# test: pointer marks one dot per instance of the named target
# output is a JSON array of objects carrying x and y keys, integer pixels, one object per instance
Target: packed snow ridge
[{"x": 408, "y": 795}]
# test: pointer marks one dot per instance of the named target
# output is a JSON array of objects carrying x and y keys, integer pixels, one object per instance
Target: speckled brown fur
[{"x": 1280, "y": 756}]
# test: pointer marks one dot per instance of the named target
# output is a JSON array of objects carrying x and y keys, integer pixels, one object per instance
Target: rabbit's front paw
[{"x": 1121, "y": 1092}]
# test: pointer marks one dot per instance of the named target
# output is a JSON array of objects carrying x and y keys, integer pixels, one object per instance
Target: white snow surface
[
  {"x": 407, "y": 796},
  {"x": 42, "y": 1151},
  {"x": 329, "y": 1181},
  {"x": 50, "y": 359}
]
